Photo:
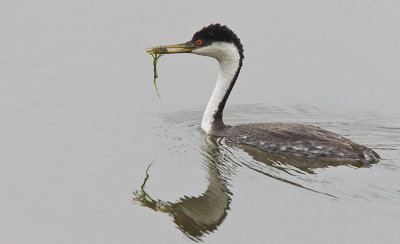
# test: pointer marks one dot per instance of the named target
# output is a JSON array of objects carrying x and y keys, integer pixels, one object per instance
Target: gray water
[{"x": 89, "y": 154}]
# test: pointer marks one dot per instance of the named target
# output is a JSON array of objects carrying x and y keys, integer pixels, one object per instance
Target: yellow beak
[{"x": 167, "y": 49}]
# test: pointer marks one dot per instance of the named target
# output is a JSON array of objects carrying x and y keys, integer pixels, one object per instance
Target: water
[
  {"x": 356, "y": 197},
  {"x": 90, "y": 155}
]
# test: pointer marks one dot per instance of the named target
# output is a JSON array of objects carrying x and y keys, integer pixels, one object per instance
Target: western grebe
[{"x": 221, "y": 43}]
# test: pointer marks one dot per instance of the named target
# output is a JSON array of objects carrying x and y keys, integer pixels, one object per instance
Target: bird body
[
  {"x": 306, "y": 141},
  {"x": 298, "y": 140}
]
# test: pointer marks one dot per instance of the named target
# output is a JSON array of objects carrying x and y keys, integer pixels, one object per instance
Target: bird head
[{"x": 215, "y": 40}]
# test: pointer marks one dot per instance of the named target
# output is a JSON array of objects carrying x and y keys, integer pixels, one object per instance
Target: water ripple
[{"x": 196, "y": 216}]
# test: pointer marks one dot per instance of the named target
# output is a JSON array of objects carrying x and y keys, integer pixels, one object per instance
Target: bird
[{"x": 305, "y": 141}]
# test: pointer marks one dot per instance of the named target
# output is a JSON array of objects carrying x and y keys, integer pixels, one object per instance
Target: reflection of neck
[
  {"x": 195, "y": 216},
  {"x": 229, "y": 67},
  {"x": 210, "y": 208}
]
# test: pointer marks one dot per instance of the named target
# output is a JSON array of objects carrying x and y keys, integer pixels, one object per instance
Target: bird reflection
[
  {"x": 196, "y": 216},
  {"x": 302, "y": 165}
]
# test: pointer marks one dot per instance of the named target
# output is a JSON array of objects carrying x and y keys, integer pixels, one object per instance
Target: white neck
[{"x": 228, "y": 58}]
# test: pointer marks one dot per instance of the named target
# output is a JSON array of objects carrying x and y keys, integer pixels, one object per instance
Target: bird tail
[{"x": 370, "y": 156}]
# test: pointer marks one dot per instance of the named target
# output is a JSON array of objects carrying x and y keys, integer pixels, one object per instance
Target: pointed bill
[{"x": 167, "y": 49}]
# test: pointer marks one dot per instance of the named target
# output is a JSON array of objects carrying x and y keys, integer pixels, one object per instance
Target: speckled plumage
[{"x": 297, "y": 140}]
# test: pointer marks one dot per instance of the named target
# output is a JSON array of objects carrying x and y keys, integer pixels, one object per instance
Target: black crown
[{"x": 218, "y": 33}]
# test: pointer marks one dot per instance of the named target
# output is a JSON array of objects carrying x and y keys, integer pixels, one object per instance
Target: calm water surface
[
  {"x": 307, "y": 197},
  {"x": 88, "y": 154}
]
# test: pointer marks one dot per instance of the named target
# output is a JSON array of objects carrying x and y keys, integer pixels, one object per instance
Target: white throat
[{"x": 228, "y": 58}]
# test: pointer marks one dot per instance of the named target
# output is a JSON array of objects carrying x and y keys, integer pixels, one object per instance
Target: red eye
[{"x": 199, "y": 42}]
